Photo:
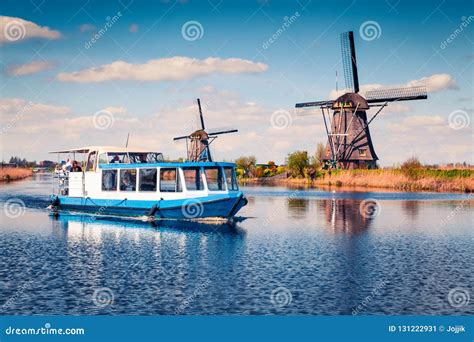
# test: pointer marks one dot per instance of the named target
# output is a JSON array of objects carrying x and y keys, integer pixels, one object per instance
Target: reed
[
  {"x": 407, "y": 180},
  {"x": 10, "y": 174}
]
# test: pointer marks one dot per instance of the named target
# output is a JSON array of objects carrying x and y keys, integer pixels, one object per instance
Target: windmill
[
  {"x": 349, "y": 143},
  {"x": 197, "y": 143}
]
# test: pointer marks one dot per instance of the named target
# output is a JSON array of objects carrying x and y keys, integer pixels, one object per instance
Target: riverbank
[
  {"x": 11, "y": 174},
  {"x": 404, "y": 180}
]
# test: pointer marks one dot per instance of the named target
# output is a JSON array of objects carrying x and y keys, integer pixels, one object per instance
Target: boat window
[
  {"x": 128, "y": 180},
  {"x": 91, "y": 161},
  {"x": 215, "y": 179},
  {"x": 193, "y": 178},
  {"x": 169, "y": 180},
  {"x": 103, "y": 158},
  {"x": 230, "y": 179},
  {"x": 147, "y": 179},
  {"x": 117, "y": 158},
  {"x": 109, "y": 180},
  {"x": 145, "y": 157},
  {"x": 138, "y": 158}
]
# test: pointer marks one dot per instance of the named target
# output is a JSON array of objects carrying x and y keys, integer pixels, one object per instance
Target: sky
[{"x": 79, "y": 73}]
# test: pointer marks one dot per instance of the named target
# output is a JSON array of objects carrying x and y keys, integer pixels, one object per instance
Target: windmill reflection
[{"x": 344, "y": 216}]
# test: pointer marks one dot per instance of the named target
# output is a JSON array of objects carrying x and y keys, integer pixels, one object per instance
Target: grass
[{"x": 10, "y": 174}]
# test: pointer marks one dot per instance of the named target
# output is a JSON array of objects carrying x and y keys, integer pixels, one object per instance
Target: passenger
[
  {"x": 68, "y": 165},
  {"x": 143, "y": 158},
  {"x": 115, "y": 160},
  {"x": 76, "y": 167}
]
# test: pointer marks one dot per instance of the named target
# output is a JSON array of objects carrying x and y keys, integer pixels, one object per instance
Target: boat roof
[
  {"x": 164, "y": 164},
  {"x": 103, "y": 149}
]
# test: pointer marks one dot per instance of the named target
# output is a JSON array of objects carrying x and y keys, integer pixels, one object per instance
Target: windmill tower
[
  {"x": 349, "y": 143},
  {"x": 197, "y": 143}
]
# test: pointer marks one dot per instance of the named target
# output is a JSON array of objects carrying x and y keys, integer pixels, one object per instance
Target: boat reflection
[{"x": 75, "y": 221}]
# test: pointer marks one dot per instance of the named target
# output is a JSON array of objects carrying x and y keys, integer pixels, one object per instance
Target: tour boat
[{"x": 136, "y": 182}]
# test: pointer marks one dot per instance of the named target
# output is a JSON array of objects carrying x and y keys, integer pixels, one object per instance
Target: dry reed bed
[
  {"x": 410, "y": 180},
  {"x": 10, "y": 174}
]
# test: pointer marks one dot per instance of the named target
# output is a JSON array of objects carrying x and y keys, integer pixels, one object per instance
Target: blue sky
[{"x": 300, "y": 65}]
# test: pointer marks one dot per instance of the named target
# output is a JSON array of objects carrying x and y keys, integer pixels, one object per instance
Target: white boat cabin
[{"x": 135, "y": 174}]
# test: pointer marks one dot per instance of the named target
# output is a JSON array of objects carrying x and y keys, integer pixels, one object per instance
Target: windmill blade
[
  {"x": 314, "y": 104},
  {"x": 200, "y": 114},
  {"x": 181, "y": 137},
  {"x": 396, "y": 94},
  {"x": 349, "y": 62},
  {"x": 223, "y": 132}
]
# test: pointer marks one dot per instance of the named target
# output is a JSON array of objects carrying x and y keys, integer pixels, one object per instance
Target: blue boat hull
[{"x": 222, "y": 205}]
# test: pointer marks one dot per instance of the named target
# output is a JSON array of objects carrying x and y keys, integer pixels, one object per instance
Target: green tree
[
  {"x": 247, "y": 164},
  {"x": 297, "y": 163}
]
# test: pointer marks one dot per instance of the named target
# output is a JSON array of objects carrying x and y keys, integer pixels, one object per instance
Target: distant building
[{"x": 46, "y": 163}]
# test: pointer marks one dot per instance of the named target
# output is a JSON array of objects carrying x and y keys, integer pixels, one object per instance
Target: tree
[
  {"x": 247, "y": 164},
  {"x": 297, "y": 162},
  {"x": 319, "y": 153}
]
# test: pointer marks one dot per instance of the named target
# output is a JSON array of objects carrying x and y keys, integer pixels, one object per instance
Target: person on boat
[
  {"x": 116, "y": 159},
  {"x": 68, "y": 165},
  {"x": 76, "y": 167}
]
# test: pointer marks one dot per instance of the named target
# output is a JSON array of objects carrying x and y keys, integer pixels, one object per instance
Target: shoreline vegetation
[
  {"x": 9, "y": 174},
  {"x": 395, "y": 179},
  {"x": 305, "y": 171}
]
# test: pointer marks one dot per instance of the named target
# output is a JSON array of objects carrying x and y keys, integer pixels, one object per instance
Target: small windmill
[
  {"x": 349, "y": 143},
  {"x": 197, "y": 143}
]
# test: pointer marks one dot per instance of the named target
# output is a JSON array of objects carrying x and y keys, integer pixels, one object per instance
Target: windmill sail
[
  {"x": 349, "y": 62},
  {"x": 396, "y": 94}
]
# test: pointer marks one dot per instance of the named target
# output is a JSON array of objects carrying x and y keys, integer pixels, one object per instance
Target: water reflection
[
  {"x": 411, "y": 208},
  {"x": 297, "y": 207},
  {"x": 344, "y": 216}
]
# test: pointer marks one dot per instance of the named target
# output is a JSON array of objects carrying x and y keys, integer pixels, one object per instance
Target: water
[{"x": 306, "y": 252}]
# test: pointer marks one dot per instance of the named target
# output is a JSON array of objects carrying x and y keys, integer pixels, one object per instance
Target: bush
[
  {"x": 411, "y": 167},
  {"x": 297, "y": 162}
]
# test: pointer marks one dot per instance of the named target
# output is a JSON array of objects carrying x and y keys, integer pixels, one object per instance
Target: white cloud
[
  {"x": 14, "y": 29},
  {"x": 433, "y": 83},
  {"x": 29, "y": 68},
  {"x": 13, "y": 106},
  {"x": 165, "y": 69},
  {"x": 424, "y": 122}
]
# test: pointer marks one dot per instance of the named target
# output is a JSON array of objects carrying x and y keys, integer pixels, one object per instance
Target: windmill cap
[{"x": 352, "y": 101}]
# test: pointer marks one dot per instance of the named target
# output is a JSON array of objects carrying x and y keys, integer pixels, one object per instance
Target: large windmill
[
  {"x": 349, "y": 143},
  {"x": 197, "y": 143}
]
